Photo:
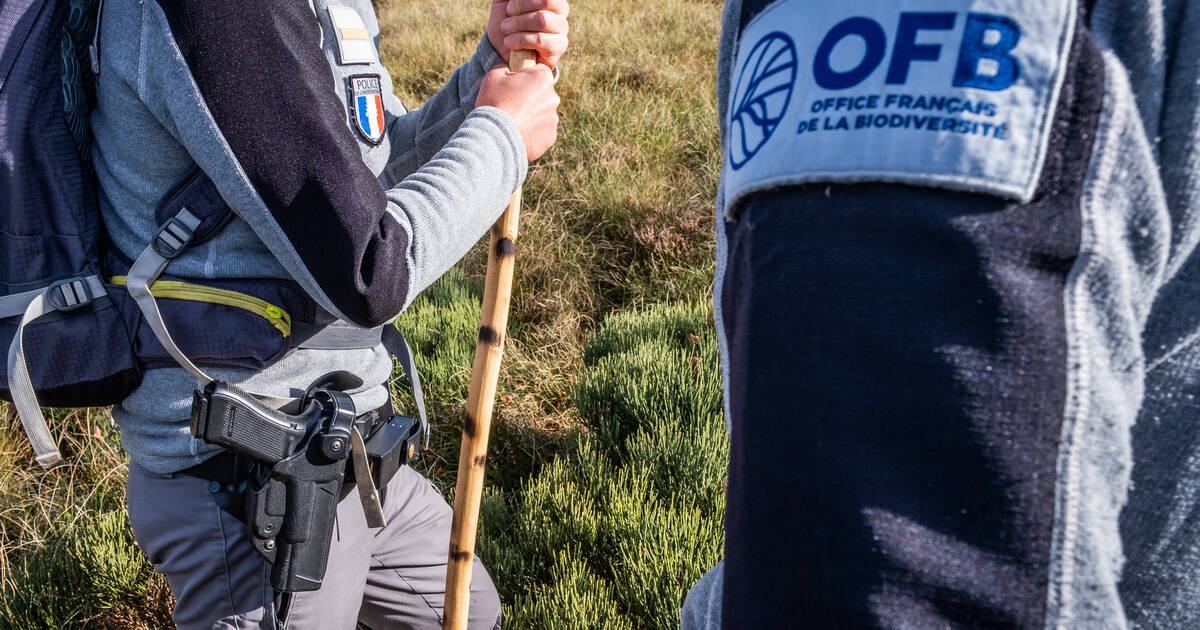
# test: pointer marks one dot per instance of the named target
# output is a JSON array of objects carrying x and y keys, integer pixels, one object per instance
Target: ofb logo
[{"x": 761, "y": 96}]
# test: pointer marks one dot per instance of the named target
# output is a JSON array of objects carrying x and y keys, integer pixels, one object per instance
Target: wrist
[
  {"x": 506, "y": 133},
  {"x": 487, "y": 55}
]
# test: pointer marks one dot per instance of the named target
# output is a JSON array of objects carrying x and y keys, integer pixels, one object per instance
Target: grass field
[{"x": 607, "y": 464}]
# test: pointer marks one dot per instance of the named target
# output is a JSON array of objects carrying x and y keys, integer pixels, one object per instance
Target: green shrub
[
  {"x": 442, "y": 326},
  {"x": 116, "y": 569},
  {"x": 575, "y": 598},
  {"x": 87, "y": 571},
  {"x": 614, "y": 534},
  {"x": 610, "y": 535}
]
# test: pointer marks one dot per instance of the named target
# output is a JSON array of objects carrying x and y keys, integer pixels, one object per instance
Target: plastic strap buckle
[
  {"x": 69, "y": 295},
  {"x": 173, "y": 237}
]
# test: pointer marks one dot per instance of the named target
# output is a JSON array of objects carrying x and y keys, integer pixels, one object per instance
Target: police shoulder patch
[
  {"x": 354, "y": 43},
  {"x": 366, "y": 107},
  {"x": 929, "y": 92}
]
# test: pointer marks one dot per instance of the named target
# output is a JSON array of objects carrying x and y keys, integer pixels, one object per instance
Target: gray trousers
[
  {"x": 702, "y": 607},
  {"x": 393, "y": 577}
]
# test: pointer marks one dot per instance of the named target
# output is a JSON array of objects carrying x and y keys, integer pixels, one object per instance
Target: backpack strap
[
  {"x": 16, "y": 303},
  {"x": 396, "y": 345},
  {"x": 194, "y": 212},
  {"x": 191, "y": 213},
  {"x": 306, "y": 336},
  {"x": 64, "y": 296},
  {"x": 173, "y": 237}
]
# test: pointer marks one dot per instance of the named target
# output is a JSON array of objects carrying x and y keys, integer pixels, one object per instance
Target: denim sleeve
[
  {"x": 1153, "y": 48},
  {"x": 930, "y": 391},
  {"x": 948, "y": 410}
]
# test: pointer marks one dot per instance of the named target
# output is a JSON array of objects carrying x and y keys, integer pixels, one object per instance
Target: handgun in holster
[{"x": 290, "y": 488}]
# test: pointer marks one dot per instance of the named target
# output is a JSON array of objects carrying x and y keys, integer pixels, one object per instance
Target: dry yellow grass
[{"x": 619, "y": 213}]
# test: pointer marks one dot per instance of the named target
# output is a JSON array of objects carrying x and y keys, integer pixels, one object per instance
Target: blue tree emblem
[{"x": 761, "y": 96}]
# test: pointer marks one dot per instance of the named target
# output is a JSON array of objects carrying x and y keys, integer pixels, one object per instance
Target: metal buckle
[
  {"x": 69, "y": 295},
  {"x": 173, "y": 237}
]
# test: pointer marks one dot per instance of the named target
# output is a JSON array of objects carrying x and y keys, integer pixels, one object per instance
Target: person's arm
[
  {"x": 931, "y": 374},
  {"x": 414, "y": 136},
  {"x": 265, "y": 82}
]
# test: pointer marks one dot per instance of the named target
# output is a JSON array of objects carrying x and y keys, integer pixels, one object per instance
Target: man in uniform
[
  {"x": 287, "y": 108},
  {"x": 956, "y": 296}
]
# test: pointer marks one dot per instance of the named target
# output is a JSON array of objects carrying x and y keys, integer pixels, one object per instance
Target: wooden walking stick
[{"x": 472, "y": 459}]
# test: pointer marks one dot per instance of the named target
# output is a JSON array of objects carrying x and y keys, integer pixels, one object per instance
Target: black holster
[{"x": 283, "y": 475}]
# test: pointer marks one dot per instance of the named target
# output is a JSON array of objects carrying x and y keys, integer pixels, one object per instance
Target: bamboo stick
[{"x": 489, "y": 349}]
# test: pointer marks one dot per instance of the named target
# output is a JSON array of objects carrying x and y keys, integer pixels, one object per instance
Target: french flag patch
[{"x": 366, "y": 95}]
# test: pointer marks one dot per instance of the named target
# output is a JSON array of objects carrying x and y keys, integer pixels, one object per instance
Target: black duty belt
[{"x": 227, "y": 469}]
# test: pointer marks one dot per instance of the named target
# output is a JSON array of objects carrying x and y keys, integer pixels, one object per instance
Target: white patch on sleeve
[
  {"x": 934, "y": 92},
  {"x": 354, "y": 43}
]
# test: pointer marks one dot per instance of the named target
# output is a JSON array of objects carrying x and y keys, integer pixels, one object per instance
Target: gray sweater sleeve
[
  {"x": 368, "y": 250},
  {"x": 415, "y": 136},
  {"x": 453, "y": 198}
]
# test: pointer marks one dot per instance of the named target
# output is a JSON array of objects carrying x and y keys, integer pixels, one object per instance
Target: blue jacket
[{"x": 957, "y": 307}]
